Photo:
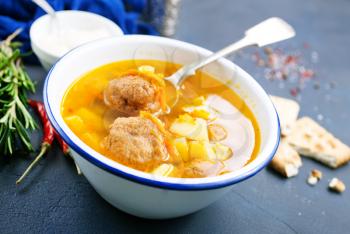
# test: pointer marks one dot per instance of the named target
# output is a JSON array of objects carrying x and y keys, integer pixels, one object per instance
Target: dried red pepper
[
  {"x": 48, "y": 136},
  {"x": 65, "y": 149},
  {"x": 63, "y": 144}
]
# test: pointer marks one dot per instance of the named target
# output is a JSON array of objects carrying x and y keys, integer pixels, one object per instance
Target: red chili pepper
[
  {"x": 48, "y": 136},
  {"x": 49, "y": 132},
  {"x": 65, "y": 149},
  {"x": 63, "y": 144}
]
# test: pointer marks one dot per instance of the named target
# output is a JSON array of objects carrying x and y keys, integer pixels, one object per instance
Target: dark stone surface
[{"x": 55, "y": 199}]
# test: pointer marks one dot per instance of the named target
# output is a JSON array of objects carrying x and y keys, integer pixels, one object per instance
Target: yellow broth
[{"x": 84, "y": 98}]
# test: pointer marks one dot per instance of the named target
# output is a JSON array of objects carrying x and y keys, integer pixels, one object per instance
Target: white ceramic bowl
[
  {"x": 75, "y": 19},
  {"x": 140, "y": 193}
]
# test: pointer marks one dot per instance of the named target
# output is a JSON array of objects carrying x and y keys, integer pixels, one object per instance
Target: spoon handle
[
  {"x": 43, "y": 4},
  {"x": 244, "y": 42},
  {"x": 266, "y": 32},
  {"x": 190, "y": 69}
]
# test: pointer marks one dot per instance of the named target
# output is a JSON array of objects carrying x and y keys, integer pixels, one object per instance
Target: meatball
[
  {"x": 131, "y": 94},
  {"x": 201, "y": 168},
  {"x": 136, "y": 142}
]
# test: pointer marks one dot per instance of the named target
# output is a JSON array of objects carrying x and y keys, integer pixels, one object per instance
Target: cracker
[
  {"x": 288, "y": 111},
  {"x": 286, "y": 160},
  {"x": 312, "y": 140}
]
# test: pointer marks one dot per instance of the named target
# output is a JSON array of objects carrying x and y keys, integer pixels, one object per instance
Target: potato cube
[
  {"x": 199, "y": 111},
  {"x": 75, "y": 123},
  {"x": 199, "y": 101},
  {"x": 182, "y": 147},
  {"x": 146, "y": 69},
  {"x": 92, "y": 140},
  {"x": 90, "y": 119},
  {"x": 201, "y": 150},
  {"x": 164, "y": 169},
  {"x": 192, "y": 128}
]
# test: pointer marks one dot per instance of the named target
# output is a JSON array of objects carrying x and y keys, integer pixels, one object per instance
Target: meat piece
[
  {"x": 216, "y": 132},
  {"x": 131, "y": 94},
  {"x": 136, "y": 142},
  {"x": 201, "y": 168}
]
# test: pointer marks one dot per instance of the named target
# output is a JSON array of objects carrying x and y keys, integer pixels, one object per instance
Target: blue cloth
[{"x": 21, "y": 14}]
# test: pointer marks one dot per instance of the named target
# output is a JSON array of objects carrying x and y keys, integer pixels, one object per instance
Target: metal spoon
[
  {"x": 266, "y": 32},
  {"x": 43, "y": 4}
]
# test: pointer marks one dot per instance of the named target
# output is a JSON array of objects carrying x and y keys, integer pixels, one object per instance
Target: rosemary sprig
[{"x": 15, "y": 120}]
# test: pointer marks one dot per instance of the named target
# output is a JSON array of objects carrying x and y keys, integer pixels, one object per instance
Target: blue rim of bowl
[{"x": 146, "y": 181}]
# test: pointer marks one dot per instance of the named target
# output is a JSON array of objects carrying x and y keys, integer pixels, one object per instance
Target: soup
[{"x": 120, "y": 110}]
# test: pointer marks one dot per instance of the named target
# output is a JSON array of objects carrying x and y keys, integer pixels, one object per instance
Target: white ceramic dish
[
  {"x": 140, "y": 193},
  {"x": 73, "y": 19}
]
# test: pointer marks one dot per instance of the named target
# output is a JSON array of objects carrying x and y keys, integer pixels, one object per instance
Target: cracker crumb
[
  {"x": 314, "y": 177},
  {"x": 316, "y": 173},
  {"x": 312, "y": 180},
  {"x": 336, "y": 185}
]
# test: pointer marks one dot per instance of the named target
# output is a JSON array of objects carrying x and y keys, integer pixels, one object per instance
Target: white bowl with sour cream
[
  {"x": 52, "y": 37},
  {"x": 136, "y": 192}
]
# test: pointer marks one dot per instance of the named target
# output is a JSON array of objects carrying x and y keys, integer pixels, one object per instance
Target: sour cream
[
  {"x": 52, "y": 37},
  {"x": 61, "y": 38}
]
